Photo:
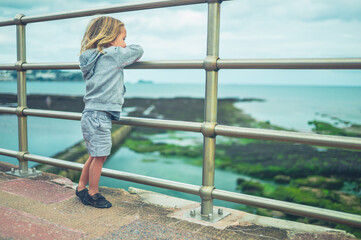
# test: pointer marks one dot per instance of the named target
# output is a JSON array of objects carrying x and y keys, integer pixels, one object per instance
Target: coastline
[
  {"x": 290, "y": 165},
  {"x": 287, "y": 106},
  {"x": 46, "y": 102}
]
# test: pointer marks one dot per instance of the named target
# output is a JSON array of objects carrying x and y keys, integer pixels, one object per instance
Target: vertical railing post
[
  {"x": 21, "y": 90},
  {"x": 210, "y": 108}
]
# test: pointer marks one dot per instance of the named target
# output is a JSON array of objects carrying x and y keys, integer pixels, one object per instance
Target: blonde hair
[{"x": 100, "y": 32}]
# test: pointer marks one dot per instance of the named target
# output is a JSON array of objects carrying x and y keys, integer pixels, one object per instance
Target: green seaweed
[
  {"x": 320, "y": 182},
  {"x": 317, "y": 197},
  {"x": 145, "y": 145},
  {"x": 327, "y": 128},
  {"x": 149, "y": 160}
]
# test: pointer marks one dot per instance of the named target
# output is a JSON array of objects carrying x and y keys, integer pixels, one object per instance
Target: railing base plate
[
  {"x": 32, "y": 172},
  {"x": 213, "y": 218}
]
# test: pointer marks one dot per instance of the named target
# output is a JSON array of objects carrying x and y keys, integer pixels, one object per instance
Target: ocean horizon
[{"x": 291, "y": 107}]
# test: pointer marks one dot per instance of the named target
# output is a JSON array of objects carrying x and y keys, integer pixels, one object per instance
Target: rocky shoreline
[
  {"x": 76, "y": 104},
  {"x": 46, "y": 102},
  {"x": 304, "y": 174}
]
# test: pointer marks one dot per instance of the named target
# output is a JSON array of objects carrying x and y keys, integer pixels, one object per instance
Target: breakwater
[{"x": 78, "y": 153}]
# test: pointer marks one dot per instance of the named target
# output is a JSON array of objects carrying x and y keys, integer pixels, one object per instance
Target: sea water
[{"x": 287, "y": 106}]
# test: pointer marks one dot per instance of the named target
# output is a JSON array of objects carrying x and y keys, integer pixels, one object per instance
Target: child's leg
[
  {"x": 95, "y": 169},
  {"x": 84, "y": 177}
]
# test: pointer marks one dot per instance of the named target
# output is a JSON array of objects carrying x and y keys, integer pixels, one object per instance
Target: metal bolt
[
  {"x": 12, "y": 170},
  {"x": 193, "y": 212},
  {"x": 34, "y": 170},
  {"x": 220, "y": 211},
  {"x": 210, "y": 216}
]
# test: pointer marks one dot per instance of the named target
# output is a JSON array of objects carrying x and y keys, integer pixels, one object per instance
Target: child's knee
[{"x": 102, "y": 159}]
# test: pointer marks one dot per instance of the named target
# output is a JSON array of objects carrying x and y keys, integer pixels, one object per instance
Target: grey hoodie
[{"x": 103, "y": 74}]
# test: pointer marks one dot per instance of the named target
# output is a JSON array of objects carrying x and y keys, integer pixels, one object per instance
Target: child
[{"x": 104, "y": 54}]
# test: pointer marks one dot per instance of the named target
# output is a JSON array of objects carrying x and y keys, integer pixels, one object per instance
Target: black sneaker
[
  {"x": 97, "y": 200},
  {"x": 82, "y": 194}
]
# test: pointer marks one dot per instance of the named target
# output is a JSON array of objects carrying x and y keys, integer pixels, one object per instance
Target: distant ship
[{"x": 145, "y": 81}]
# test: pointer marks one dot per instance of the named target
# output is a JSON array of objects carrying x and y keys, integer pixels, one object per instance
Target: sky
[{"x": 250, "y": 29}]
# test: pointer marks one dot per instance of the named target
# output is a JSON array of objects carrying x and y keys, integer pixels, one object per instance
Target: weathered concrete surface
[{"x": 46, "y": 208}]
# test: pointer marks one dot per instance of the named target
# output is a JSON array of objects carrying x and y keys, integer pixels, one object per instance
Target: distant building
[
  {"x": 7, "y": 76},
  {"x": 145, "y": 81},
  {"x": 43, "y": 75}
]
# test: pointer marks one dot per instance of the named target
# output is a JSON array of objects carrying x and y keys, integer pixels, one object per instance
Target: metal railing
[{"x": 209, "y": 128}]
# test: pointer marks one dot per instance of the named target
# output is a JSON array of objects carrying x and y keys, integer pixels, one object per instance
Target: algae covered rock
[
  {"x": 282, "y": 179},
  {"x": 320, "y": 182}
]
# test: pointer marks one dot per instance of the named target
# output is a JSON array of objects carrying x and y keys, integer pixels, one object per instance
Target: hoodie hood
[
  {"x": 87, "y": 61},
  {"x": 103, "y": 75}
]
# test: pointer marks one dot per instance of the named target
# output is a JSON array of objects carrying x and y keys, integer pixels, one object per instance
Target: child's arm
[{"x": 128, "y": 55}]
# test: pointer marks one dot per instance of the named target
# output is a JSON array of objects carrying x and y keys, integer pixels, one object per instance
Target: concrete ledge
[
  {"x": 158, "y": 199},
  {"x": 137, "y": 214},
  {"x": 237, "y": 219}
]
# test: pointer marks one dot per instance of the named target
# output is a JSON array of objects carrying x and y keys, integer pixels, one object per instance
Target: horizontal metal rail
[
  {"x": 156, "y": 182},
  {"x": 7, "y": 66},
  {"x": 287, "y": 207},
  {"x": 177, "y": 64},
  {"x": 288, "y": 136},
  {"x": 132, "y": 121},
  {"x": 50, "y": 66},
  {"x": 174, "y": 64},
  {"x": 337, "y": 63},
  {"x": 51, "y": 114},
  {"x": 163, "y": 124},
  {"x": 7, "y": 22},
  {"x": 9, "y": 110},
  {"x": 316, "y": 63},
  {"x": 293, "y": 208},
  {"x": 125, "y": 7},
  {"x": 230, "y": 131}
]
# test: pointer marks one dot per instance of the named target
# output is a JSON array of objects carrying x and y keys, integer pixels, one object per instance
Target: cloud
[
  {"x": 249, "y": 29},
  {"x": 54, "y": 5},
  {"x": 266, "y": 29},
  {"x": 168, "y": 33},
  {"x": 301, "y": 10}
]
